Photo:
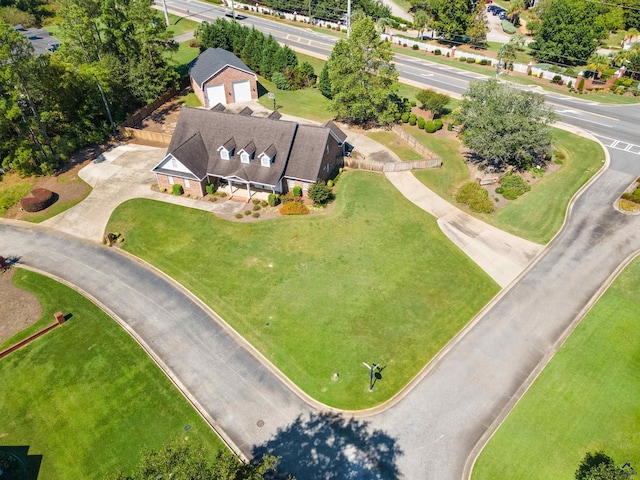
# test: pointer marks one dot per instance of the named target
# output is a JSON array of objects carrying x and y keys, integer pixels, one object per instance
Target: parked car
[
  {"x": 502, "y": 15},
  {"x": 237, "y": 15}
]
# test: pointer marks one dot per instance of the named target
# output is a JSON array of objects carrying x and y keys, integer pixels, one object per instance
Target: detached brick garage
[{"x": 218, "y": 76}]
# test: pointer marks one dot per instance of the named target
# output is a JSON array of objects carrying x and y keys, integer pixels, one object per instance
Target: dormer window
[
  {"x": 246, "y": 153},
  {"x": 266, "y": 157},
  {"x": 226, "y": 150}
]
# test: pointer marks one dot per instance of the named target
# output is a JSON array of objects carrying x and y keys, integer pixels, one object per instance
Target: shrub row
[
  {"x": 513, "y": 186},
  {"x": 40, "y": 199}
]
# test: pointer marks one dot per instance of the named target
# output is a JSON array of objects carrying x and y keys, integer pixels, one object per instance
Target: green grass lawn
[
  {"x": 396, "y": 145},
  {"x": 182, "y": 57},
  {"x": 179, "y": 25},
  {"x": 306, "y": 103},
  {"x": 11, "y": 194},
  {"x": 537, "y": 215},
  {"x": 57, "y": 208},
  {"x": 372, "y": 280},
  {"x": 586, "y": 399},
  {"x": 86, "y": 396}
]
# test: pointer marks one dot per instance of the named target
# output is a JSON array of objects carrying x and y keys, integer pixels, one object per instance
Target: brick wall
[
  {"x": 199, "y": 93},
  {"x": 195, "y": 188},
  {"x": 227, "y": 76}
]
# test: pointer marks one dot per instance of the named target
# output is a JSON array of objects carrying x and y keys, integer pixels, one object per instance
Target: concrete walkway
[
  {"x": 502, "y": 255},
  {"x": 116, "y": 176}
]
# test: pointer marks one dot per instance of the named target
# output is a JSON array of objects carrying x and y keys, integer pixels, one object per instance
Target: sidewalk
[{"x": 502, "y": 255}]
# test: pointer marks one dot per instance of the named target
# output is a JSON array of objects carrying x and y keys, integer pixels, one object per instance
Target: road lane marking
[{"x": 585, "y": 120}]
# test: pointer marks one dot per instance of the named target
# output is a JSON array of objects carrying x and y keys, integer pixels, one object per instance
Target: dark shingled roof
[
  {"x": 211, "y": 61},
  {"x": 229, "y": 144},
  {"x": 218, "y": 107},
  {"x": 246, "y": 111},
  {"x": 308, "y": 150},
  {"x": 296, "y": 150},
  {"x": 336, "y": 131},
  {"x": 275, "y": 115}
]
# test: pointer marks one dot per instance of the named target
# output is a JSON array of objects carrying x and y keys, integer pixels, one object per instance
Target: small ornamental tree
[
  {"x": 319, "y": 193},
  {"x": 433, "y": 101}
]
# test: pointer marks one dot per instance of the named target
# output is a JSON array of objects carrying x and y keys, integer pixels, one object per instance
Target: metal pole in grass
[
  {"x": 371, "y": 374},
  {"x": 272, "y": 96}
]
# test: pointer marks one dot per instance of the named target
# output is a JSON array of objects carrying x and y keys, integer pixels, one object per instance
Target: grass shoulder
[
  {"x": 537, "y": 215},
  {"x": 584, "y": 400},
  {"x": 319, "y": 295},
  {"x": 89, "y": 381}
]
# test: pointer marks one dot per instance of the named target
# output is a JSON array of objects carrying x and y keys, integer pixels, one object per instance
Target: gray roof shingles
[
  {"x": 297, "y": 150},
  {"x": 211, "y": 61}
]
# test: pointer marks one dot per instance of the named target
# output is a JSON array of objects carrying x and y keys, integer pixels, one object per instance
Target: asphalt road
[{"x": 431, "y": 432}]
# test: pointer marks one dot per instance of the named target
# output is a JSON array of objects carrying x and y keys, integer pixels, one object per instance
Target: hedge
[
  {"x": 476, "y": 197},
  {"x": 507, "y": 27},
  {"x": 40, "y": 199}
]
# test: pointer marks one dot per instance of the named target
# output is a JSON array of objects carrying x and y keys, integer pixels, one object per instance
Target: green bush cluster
[
  {"x": 513, "y": 186},
  {"x": 430, "y": 127},
  {"x": 485, "y": 61},
  {"x": 421, "y": 123},
  {"x": 297, "y": 191},
  {"x": 471, "y": 60},
  {"x": 413, "y": 119},
  {"x": 475, "y": 197},
  {"x": 437, "y": 51},
  {"x": 320, "y": 193},
  {"x": 462, "y": 59},
  {"x": 438, "y": 123},
  {"x": 632, "y": 196},
  {"x": 507, "y": 27},
  {"x": 210, "y": 188},
  {"x": 177, "y": 189},
  {"x": 405, "y": 117}
]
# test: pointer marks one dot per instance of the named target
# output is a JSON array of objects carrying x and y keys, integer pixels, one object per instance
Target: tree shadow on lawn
[
  {"x": 328, "y": 446},
  {"x": 27, "y": 466}
]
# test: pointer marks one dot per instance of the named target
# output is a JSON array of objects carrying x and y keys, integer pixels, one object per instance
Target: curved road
[{"x": 431, "y": 431}]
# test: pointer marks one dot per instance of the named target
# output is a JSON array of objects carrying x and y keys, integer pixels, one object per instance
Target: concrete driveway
[{"x": 121, "y": 174}]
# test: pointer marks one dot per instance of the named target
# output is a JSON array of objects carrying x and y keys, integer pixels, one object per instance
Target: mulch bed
[{"x": 18, "y": 309}]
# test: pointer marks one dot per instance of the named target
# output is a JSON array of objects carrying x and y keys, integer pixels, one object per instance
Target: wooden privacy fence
[
  {"x": 145, "y": 111},
  {"x": 417, "y": 146},
  {"x": 157, "y": 137},
  {"x": 374, "y": 166}
]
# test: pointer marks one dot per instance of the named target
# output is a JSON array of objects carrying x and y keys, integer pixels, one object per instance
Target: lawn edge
[
  {"x": 165, "y": 369},
  {"x": 528, "y": 382}
]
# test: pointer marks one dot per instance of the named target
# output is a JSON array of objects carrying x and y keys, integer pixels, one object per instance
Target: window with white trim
[
  {"x": 170, "y": 180},
  {"x": 186, "y": 183},
  {"x": 305, "y": 186},
  {"x": 224, "y": 154},
  {"x": 291, "y": 183},
  {"x": 265, "y": 161},
  {"x": 174, "y": 163},
  {"x": 244, "y": 157}
]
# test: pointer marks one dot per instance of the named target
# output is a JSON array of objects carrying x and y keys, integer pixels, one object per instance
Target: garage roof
[{"x": 210, "y": 62}]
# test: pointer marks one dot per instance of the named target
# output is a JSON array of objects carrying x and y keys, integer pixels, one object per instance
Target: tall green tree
[
  {"x": 450, "y": 17},
  {"x": 364, "y": 80},
  {"x": 504, "y": 125},
  {"x": 479, "y": 26},
  {"x": 181, "y": 461},
  {"x": 433, "y": 101},
  {"x": 324, "y": 82},
  {"x": 569, "y": 32}
]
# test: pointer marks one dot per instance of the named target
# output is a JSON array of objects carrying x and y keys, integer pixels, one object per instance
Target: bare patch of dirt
[
  {"x": 18, "y": 308},
  {"x": 163, "y": 119}
]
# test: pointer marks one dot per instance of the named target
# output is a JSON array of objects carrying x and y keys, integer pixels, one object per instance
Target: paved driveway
[{"x": 120, "y": 174}]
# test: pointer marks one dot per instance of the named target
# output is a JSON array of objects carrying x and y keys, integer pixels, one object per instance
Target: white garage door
[
  {"x": 215, "y": 95},
  {"x": 242, "y": 91}
]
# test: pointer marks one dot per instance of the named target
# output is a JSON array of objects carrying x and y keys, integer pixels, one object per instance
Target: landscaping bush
[
  {"x": 297, "y": 191},
  {"x": 213, "y": 199},
  {"x": 438, "y": 123},
  {"x": 255, "y": 201},
  {"x": 421, "y": 123},
  {"x": 499, "y": 190},
  {"x": 40, "y": 199},
  {"x": 485, "y": 61},
  {"x": 210, "y": 188},
  {"x": 320, "y": 193},
  {"x": 557, "y": 79},
  {"x": 430, "y": 127},
  {"x": 239, "y": 215},
  {"x": 475, "y": 197},
  {"x": 163, "y": 190},
  {"x": 413, "y": 120},
  {"x": 330, "y": 183},
  {"x": 177, "y": 189},
  {"x": 580, "y": 84},
  {"x": 471, "y": 60},
  {"x": 415, "y": 46},
  {"x": 514, "y": 186},
  {"x": 247, "y": 212},
  {"x": 507, "y": 27},
  {"x": 264, "y": 203},
  {"x": 255, "y": 215},
  {"x": 273, "y": 200},
  {"x": 462, "y": 59},
  {"x": 449, "y": 127},
  {"x": 281, "y": 82},
  {"x": 437, "y": 51},
  {"x": 256, "y": 207},
  {"x": 405, "y": 117},
  {"x": 294, "y": 208}
]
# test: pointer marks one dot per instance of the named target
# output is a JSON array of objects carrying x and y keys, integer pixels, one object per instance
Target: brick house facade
[
  {"x": 257, "y": 153},
  {"x": 218, "y": 76}
]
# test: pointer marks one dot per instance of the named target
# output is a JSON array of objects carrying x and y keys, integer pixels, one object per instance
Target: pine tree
[{"x": 324, "y": 82}]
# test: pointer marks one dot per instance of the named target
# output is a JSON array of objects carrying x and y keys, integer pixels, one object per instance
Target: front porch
[{"x": 239, "y": 189}]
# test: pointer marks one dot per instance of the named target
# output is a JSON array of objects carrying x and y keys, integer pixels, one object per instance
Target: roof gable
[{"x": 212, "y": 61}]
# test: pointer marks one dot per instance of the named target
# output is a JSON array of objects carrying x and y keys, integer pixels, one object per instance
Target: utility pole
[
  {"x": 233, "y": 11},
  {"x": 166, "y": 14},
  {"x": 348, "y": 18}
]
